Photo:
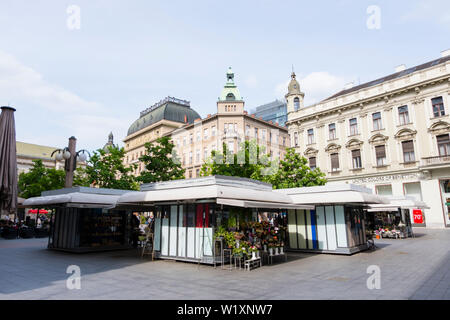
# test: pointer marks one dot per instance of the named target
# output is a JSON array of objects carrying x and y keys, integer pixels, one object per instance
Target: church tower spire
[
  {"x": 294, "y": 97},
  {"x": 230, "y": 100}
]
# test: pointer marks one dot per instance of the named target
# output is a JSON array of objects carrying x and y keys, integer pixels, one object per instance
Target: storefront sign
[
  {"x": 385, "y": 178},
  {"x": 417, "y": 216}
]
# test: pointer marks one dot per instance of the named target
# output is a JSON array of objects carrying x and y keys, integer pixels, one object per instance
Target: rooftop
[
  {"x": 34, "y": 150},
  {"x": 390, "y": 77},
  {"x": 170, "y": 108}
]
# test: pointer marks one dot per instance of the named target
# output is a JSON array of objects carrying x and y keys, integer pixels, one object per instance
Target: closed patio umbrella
[{"x": 8, "y": 161}]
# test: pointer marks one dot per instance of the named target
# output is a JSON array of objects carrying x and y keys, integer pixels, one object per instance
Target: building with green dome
[{"x": 160, "y": 119}]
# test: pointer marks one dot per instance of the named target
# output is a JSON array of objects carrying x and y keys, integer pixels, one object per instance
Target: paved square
[{"x": 410, "y": 269}]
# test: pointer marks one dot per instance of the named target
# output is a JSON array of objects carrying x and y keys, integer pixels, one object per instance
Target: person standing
[{"x": 135, "y": 222}]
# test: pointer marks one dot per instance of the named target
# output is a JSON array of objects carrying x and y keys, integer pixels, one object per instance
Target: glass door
[{"x": 445, "y": 188}]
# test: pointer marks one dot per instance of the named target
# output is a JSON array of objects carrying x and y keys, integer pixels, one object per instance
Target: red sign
[{"x": 417, "y": 216}]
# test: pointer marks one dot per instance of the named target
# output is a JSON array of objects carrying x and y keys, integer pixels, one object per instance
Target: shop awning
[
  {"x": 35, "y": 211},
  {"x": 261, "y": 204},
  {"x": 398, "y": 203},
  {"x": 75, "y": 199},
  {"x": 333, "y": 194}
]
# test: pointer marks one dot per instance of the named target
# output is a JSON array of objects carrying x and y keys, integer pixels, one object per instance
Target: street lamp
[{"x": 71, "y": 157}]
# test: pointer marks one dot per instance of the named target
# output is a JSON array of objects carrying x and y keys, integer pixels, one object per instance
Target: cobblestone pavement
[{"x": 416, "y": 268}]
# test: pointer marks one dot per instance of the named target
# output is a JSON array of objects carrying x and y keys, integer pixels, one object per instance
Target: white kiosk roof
[
  {"x": 233, "y": 191},
  {"x": 81, "y": 197},
  {"x": 333, "y": 194},
  {"x": 396, "y": 203}
]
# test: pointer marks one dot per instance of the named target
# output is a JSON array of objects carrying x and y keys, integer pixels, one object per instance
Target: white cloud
[
  {"x": 19, "y": 82},
  {"x": 48, "y": 114},
  {"x": 316, "y": 86}
]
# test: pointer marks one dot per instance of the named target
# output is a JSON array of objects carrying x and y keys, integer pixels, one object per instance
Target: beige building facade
[
  {"x": 195, "y": 138},
  {"x": 27, "y": 152},
  {"x": 390, "y": 135}
]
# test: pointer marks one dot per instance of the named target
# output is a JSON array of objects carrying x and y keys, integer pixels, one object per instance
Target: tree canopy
[
  {"x": 247, "y": 162},
  {"x": 161, "y": 162},
  {"x": 294, "y": 172},
  {"x": 40, "y": 179},
  {"x": 252, "y": 162},
  {"x": 106, "y": 169}
]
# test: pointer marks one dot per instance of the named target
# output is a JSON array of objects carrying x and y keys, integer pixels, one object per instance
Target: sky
[{"x": 86, "y": 68}]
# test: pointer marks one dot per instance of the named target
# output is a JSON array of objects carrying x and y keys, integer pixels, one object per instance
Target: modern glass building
[{"x": 275, "y": 111}]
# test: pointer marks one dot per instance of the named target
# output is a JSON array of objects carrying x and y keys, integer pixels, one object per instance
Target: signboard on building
[{"x": 417, "y": 216}]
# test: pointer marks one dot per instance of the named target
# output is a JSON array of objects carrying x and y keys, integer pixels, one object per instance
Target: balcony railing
[{"x": 429, "y": 161}]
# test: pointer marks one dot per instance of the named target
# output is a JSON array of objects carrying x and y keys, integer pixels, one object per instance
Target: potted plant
[{"x": 271, "y": 246}]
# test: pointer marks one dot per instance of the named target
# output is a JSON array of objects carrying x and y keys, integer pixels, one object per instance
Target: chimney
[
  {"x": 209, "y": 115},
  {"x": 253, "y": 115},
  {"x": 399, "y": 68},
  {"x": 445, "y": 53},
  {"x": 348, "y": 86},
  {"x": 197, "y": 120}
]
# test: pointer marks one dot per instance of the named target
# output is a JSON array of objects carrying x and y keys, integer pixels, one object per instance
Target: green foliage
[
  {"x": 80, "y": 177},
  {"x": 228, "y": 236},
  {"x": 161, "y": 162},
  {"x": 294, "y": 172},
  {"x": 245, "y": 163},
  {"x": 40, "y": 179},
  {"x": 106, "y": 169}
]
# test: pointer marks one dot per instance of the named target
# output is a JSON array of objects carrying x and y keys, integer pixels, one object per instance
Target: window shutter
[
  {"x": 356, "y": 153},
  {"x": 334, "y": 160},
  {"x": 443, "y": 138},
  {"x": 408, "y": 146},
  {"x": 380, "y": 151}
]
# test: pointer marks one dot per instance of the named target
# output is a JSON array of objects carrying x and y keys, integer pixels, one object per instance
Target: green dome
[{"x": 167, "y": 110}]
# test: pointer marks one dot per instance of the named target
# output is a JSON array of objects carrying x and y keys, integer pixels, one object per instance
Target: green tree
[
  {"x": 294, "y": 172},
  {"x": 80, "y": 177},
  {"x": 248, "y": 162},
  {"x": 106, "y": 169},
  {"x": 40, "y": 179},
  {"x": 161, "y": 162}
]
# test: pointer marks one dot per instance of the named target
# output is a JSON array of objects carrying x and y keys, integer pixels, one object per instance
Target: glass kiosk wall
[
  {"x": 331, "y": 229},
  {"x": 88, "y": 229}
]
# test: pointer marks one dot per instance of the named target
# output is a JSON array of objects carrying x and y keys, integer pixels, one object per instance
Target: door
[
  {"x": 331, "y": 228},
  {"x": 190, "y": 242},
  {"x": 321, "y": 229},
  {"x": 182, "y": 227},
  {"x": 173, "y": 232}
]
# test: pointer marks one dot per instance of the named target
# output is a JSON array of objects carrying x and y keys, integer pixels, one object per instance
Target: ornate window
[
  {"x": 408, "y": 151},
  {"x": 332, "y": 131},
  {"x": 312, "y": 162},
  {"x": 403, "y": 115},
  {"x": 296, "y": 139},
  {"x": 310, "y": 136},
  {"x": 376, "y": 118},
  {"x": 443, "y": 142},
  {"x": 380, "y": 154},
  {"x": 356, "y": 159},
  {"x": 438, "y": 107},
  {"x": 334, "y": 157},
  {"x": 296, "y": 104},
  {"x": 353, "y": 127}
]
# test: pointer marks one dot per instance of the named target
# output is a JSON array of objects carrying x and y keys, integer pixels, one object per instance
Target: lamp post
[{"x": 71, "y": 156}]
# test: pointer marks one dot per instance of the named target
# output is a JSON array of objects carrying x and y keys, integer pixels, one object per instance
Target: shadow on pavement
[{"x": 29, "y": 266}]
